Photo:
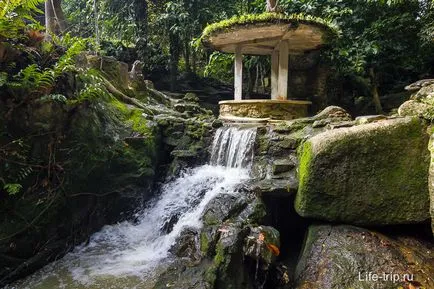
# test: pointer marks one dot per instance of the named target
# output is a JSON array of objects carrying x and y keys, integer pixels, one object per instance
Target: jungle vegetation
[{"x": 382, "y": 46}]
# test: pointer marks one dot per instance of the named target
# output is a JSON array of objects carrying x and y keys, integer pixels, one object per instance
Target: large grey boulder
[
  {"x": 348, "y": 257},
  {"x": 421, "y": 103},
  {"x": 373, "y": 174}
]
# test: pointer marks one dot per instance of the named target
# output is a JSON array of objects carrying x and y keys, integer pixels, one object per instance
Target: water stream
[{"x": 131, "y": 254}]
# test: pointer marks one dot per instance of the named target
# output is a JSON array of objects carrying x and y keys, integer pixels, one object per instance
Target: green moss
[
  {"x": 219, "y": 258},
  {"x": 139, "y": 123},
  {"x": 330, "y": 28},
  {"x": 305, "y": 156},
  {"x": 120, "y": 106},
  {"x": 371, "y": 175},
  {"x": 132, "y": 116},
  {"x": 204, "y": 243}
]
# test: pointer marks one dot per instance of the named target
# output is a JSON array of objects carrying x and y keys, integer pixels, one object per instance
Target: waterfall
[
  {"x": 233, "y": 147},
  {"x": 130, "y": 254}
]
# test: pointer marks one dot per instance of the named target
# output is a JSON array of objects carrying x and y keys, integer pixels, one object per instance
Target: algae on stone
[{"x": 373, "y": 174}]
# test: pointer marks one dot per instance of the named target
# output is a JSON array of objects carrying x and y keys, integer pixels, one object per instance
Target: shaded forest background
[
  {"x": 384, "y": 45},
  {"x": 59, "y": 106}
]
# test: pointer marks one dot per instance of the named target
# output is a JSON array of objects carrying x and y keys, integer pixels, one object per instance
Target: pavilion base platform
[{"x": 263, "y": 109}]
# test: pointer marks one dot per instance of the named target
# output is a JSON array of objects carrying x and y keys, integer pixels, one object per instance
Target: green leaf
[
  {"x": 3, "y": 78},
  {"x": 12, "y": 189}
]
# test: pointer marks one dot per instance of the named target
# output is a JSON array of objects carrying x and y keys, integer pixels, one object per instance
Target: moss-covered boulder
[
  {"x": 416, "y": 108},
  {"x": 421, "y": 103},
  {"x": 348, "y": 257},
  {"x": 373, "y": 174}
]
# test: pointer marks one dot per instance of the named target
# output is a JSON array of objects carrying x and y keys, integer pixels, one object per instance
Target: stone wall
[{"x": 282, "y": 110}]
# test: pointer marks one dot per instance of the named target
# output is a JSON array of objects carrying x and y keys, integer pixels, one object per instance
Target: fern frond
[{"x": 53, "y": 97}]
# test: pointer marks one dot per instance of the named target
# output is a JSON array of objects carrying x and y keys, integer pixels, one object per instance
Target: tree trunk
[
  {"x": 187, "y": 56},
  {"x": 54, "y": 18},
  {"x": 97, "y": 39},
  {"x": 50, "y": 21},
  {"x": 194, "y": 61},
  {"x": 272, "y": 5},
  {"x": 141, "y": 21},
  {"x": 374, "y": 91},
  {"x": 60, "y": 17},
  {"x": 174, "y": 59}
]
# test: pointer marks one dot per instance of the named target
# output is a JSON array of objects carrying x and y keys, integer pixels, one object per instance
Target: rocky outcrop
[
  {"x": 372, "y": 170},
  {"x": 351, "y": 257},
  {"x": 276, "y": 162},
  {"x": 235, "y": 252},
  {"x": 373, "y": 174},
  {"x": 88, "y": 163},
  {"x": 421, "y": 104}
]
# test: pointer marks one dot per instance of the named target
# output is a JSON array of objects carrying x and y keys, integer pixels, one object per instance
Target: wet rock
[
  {"x": 262, "y": 244},
  {"x": 223, "y": 207},
  {"x": 275, "y": 187},
  {"x": 282, "y": 166},
  {"x": 187, "y": 246},
  {"x": 227, "y": 269},
  {"x": 368, "y": 174},
  {"x": 253, "y": 213},
  {"x": 344, "y": 256},
  {"x": 181, "y": 276},
  {"x": 217, "y": 123}
]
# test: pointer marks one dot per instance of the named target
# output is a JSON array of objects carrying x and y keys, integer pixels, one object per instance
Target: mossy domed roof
[{"x": 259, "y": 34}]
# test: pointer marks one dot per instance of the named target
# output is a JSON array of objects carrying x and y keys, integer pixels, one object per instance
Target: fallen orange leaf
[{"x": 274, "y": 249}]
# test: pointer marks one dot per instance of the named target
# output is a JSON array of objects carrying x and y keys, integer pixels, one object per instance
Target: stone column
[
  {"x": 238, "y": 74},
  {"x": 274, "y": 74},
  {"x": 283, "y": 71}
]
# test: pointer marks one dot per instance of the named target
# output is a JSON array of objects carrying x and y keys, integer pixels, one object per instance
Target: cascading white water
[
  {"x": 233, "y": 147},
  {"x": 127, "y": 255}
]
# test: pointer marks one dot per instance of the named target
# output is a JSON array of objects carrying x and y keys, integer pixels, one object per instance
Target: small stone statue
[
  {"x": 137, "y": 80},
  {"x": 136, "y": 73}
]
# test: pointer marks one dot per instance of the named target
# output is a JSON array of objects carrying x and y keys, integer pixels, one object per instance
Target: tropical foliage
[{"x": 16, "y": 16}]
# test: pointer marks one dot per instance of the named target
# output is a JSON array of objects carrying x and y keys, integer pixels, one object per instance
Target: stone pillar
[
  {"x": 283, "y": 71},
  {"x": 274, "y": 74},
  {"x": 238, "y": 74}
]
